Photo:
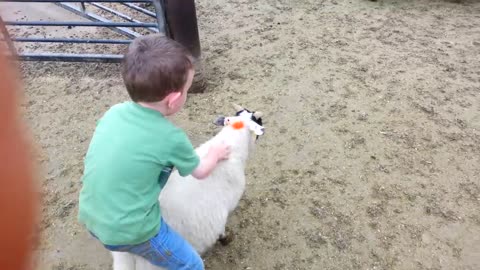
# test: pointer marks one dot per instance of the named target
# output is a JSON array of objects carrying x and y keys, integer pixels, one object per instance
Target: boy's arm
[
  {"x": 187, "y": 162},
  {"x": 215, "y": 154}
]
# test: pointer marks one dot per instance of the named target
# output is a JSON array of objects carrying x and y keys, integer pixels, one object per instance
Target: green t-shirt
[{"x": 121, "y": 182}]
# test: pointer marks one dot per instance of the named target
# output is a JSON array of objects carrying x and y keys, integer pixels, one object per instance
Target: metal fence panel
[{"x": 127, "y": 28}]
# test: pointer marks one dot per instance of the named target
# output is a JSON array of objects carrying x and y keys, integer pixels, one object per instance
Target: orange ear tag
[{"x": 238, "y": 125}]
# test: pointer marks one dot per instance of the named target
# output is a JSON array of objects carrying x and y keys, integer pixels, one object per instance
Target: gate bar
[
  {"x": 69, "y": 40},
  {"x": 78, "y": 1},
  {"x": 97, "y": 24},
  {"x": 121, "y": 15},
  {"x": 160, "y": 14},
  {"x": 139, "y": 9},
  {"x": 64, "y": 57},
  {"x": 91, "y": 16}
]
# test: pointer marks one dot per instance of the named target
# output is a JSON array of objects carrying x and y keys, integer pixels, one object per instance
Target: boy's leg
[
  {"x": 181, "y": 254},
  {"x": 123, "y": 261},
  {"x": 167, "y": 249}
]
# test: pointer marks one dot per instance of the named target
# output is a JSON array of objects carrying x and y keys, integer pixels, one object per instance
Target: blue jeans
[{"x": 167, "y": 249}]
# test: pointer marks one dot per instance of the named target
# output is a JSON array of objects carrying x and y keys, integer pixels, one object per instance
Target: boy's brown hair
[{"x": 155, "y": 66}]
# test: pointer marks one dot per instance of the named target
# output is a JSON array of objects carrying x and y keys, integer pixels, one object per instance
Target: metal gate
[{"x": 123, "y": 24}]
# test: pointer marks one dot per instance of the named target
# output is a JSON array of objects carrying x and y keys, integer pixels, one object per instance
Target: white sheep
[{"x": 198, "y": 209}]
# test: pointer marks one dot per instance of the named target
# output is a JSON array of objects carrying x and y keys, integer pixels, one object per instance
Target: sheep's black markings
[{"x": 252, "y": 116}]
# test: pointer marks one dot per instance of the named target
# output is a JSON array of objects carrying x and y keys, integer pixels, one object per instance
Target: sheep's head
[{"x": 252, "y": 120}]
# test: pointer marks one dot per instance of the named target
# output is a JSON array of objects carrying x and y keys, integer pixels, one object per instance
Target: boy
[{"x": 132, "y": 152}]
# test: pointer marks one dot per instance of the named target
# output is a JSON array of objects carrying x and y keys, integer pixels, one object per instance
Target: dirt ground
[{"x": 371, "y": 157}]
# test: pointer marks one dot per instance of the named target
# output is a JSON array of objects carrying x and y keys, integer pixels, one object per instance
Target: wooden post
[{"x": 181, "y": 19}]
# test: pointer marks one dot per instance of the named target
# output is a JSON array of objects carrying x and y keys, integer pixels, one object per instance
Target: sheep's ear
[
  {"x": 220, "y": 121},
  {"x": 258, "y": 114},
  {"x": 237, "y": 107}
]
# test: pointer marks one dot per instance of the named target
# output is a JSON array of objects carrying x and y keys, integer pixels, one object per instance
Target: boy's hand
[
  {"x": 221, "y": 151},
  {"x": 215, "y": 154}
]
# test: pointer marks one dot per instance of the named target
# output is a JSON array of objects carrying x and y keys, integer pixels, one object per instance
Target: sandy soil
[{"x": 371, "y": 158}]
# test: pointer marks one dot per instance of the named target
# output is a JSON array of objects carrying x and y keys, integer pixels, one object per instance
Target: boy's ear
[{"x": 173, "y": 97}]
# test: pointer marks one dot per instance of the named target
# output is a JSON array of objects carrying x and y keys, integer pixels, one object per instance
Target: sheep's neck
[{"x": 239, "y": 140}]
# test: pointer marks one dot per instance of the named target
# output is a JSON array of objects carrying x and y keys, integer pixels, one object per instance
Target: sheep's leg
[
  {"x": 128, "y": 261},
  {"x": 123, "y": 261},
  {"x": 226, "y": 238},
  {"x": 143, "y": 264}
]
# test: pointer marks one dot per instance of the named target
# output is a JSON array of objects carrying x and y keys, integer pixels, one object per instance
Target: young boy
[{"x": 132, "y": 152}]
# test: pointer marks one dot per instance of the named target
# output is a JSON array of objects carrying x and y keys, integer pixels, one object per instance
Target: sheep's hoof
[{"x": 225, "y": 239}]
